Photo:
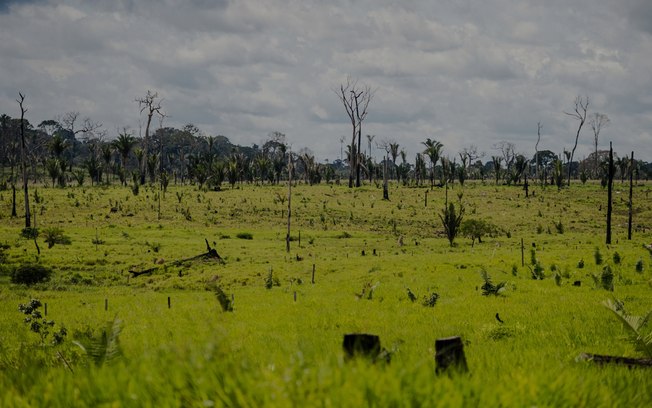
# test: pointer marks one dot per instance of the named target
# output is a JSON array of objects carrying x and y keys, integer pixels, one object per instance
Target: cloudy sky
[{"x": 459, "y": 71}]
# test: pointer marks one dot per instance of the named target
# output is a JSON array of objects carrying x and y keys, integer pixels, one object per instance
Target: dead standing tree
[
  {"x": 356, "y": 101},
  {"x": 23, "y": 157},
  {"x": 597, "y": 122},
  {"x": 151, "y": 104},
  {"x": 579, "y": 113}
]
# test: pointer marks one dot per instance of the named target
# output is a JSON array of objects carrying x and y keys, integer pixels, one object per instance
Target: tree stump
[
  {"x": 449, "y": 355},
  {"x": 361, "y": 345}
]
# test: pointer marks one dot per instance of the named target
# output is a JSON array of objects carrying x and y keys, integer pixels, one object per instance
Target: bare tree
[
  {"x": 356, "y": 99},
  {"x": 579, "y": 113},
  {"x": 88, "y": 127},
  {"x": 151, "y": 104},
  {"x": 23, "y": 157},
  {"x": 597, "y": 122}
]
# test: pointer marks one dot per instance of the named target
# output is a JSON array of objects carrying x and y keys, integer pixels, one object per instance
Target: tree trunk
[
  {"x": 609, "y": 193},
  {"x": 631, "y": 186},
  {"x": 287, "y": 236},
  {"x": 23, "y": 160},
  {"x": 143, "y": 169},
  {"x": 385, "y": 188}
]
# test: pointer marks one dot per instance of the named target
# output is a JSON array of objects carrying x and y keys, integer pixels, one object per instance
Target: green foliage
[
  {"x": 38, "y": 324},
  {"x": 430, "y": 300},
  {"x": 488, "y": 288},
  {"x": 29, "y": 233},
  {"x": 367, "y": 291},
  {"x": 616, "y": 258},
  {"x": 344, "y": 235},
  {"x": 580, "y": 264},
  {"x": 451, "y": 221},
  {"x": 607, "y": 278},
  {"x": 634, "y": 325},
  {"x": 639, "y": 266},
  {"x": 105, "y": 348},
  {"x": 54, "y": 235},
  {"x": 559, "y": 226},
  {"x": 476, "y": 229},
  {"x": 597, "y": 256},
  {"x": 245, "y": 235},
  {"x": 538, "y": 272},
  {"x": 29, "y": 274}
]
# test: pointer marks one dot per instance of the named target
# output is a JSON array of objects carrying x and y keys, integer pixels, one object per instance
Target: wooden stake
[
  {"x": 106, "y": 304},
  {"x": 313, "y": 274},
  {"x": 169, "y": 305}
]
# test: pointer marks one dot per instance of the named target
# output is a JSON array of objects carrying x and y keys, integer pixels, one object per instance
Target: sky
[{"x": 463, "y": 72}]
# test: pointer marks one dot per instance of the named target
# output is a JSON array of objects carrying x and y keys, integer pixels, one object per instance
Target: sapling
[{"x": 39, "y": 325}]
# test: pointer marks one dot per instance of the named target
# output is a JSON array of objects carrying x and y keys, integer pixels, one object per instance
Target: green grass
[{"x": 274, "y": 351}]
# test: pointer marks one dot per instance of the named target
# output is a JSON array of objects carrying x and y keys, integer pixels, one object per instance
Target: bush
[
  {"x": 245, "y": 235},
  {"x": 54, "y": 235},
  {"x": 30, "y": 274}
]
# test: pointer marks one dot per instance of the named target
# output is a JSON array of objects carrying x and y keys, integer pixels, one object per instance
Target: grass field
[{"x": 277, "y": 351}]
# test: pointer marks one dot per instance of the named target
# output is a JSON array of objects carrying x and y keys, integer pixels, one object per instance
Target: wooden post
[
  {"x": 609, "y": 192},
  {"x": 106, "y": 304},
  {"x": 631, "y": 187},
  {"x": 385, "y": 187},
  {"x": 45, "y": 309},
  {"x": 425, "y": 199},
  {"x": 313, "y": 274},
  {"x": 295, "y": 295},
  {"x": 449, "y": 354},
  {"x": 169, "y": 305},
  {"x": 522, "y": 254}
]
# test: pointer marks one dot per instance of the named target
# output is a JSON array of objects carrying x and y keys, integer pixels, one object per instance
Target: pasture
[{"x": 282, "y": 343}]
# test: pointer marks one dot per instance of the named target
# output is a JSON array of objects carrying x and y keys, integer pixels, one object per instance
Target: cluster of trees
[{"x": 71, "y": 150}]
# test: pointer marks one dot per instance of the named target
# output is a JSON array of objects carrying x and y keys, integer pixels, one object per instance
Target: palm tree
[
  {"x": 124, "y": 144},
  {"x": 433, "y": 151},
  {"x": 107, "y": 155}
]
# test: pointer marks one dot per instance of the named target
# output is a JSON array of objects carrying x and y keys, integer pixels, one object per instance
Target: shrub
[
  {"x": 30, "y": 274},
  {"x": 430, "y": 300},
  {"x": 245, "y": 235},
  {"x": 616, "y": 258},
  {"x": 54, "y": 235},
  {"x": 488, "y": 288},
  {"x": 598, "y": 256},
  {"x": 607, "y": 278},
  {"x": 639, "y": 266},
  {"x": 476, "y": 229},
  {"x": 29, "y": 233}
]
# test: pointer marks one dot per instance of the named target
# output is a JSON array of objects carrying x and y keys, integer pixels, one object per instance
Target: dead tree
[
  {"x": 597, "y": 122},
  {"x": 610, "y": 183},
  {"x": 151, "y": 104},
  {"x": 579, "y": 113},
  {"x": 356, "y": 101},
  {"x": 88, "y": 127},
  {"x": 290, "y": 170},
  {"x": 210, "y": 254},
  {"x": 23, "y": 157}
]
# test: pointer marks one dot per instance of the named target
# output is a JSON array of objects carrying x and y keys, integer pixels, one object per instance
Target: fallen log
[
  {"x": 210, "y": 254},
  {"x": 629, "y": 362}
]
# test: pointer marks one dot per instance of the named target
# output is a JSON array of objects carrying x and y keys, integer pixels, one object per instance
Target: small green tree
[
  {"x": 476, "y": 229},
  {"x": 451, "y": 219}
]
